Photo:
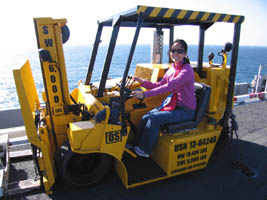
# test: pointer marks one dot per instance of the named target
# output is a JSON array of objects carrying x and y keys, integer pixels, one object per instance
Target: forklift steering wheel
[{"x": 127, "y": 93}]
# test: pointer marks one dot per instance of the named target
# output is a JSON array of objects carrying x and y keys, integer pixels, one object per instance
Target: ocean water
[{"x": 77, "y": 60}]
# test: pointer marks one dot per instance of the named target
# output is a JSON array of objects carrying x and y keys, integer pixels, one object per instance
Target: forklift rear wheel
[{"x": 83, "y": 170}]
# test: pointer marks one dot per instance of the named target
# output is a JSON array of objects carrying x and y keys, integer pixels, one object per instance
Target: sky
[{"x": 17, "y": 29}]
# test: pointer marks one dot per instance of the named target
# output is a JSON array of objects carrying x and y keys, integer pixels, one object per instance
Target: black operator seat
[{"x": 202, "y": 93}]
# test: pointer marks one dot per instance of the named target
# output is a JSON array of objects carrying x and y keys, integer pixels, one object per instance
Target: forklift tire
[{"x": 82, "y": 170}]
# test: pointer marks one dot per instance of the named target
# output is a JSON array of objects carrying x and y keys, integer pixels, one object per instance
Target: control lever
[
  {"x": 131, "y": 83},
  {"x": 129, "y": 78}
]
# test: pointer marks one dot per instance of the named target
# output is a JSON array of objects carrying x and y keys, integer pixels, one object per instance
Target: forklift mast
[{"x": 49, "y": 40}]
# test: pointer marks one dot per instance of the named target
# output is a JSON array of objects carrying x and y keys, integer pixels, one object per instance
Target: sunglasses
[{"x": 177, "y": 51}]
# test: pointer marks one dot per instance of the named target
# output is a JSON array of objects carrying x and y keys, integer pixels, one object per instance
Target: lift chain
[
  {"x": 35, "y": 150},
  {"x": 38, "y": 173}
]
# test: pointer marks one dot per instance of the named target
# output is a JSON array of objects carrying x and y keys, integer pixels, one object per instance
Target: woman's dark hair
[{"x": 185, "y": 47}]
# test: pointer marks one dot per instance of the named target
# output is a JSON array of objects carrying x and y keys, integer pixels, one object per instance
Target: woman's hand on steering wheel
[{"x": 138, "y": 94}]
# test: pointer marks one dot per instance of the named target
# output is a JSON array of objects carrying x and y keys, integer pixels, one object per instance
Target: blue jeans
[{"x": 148, "y": 130}]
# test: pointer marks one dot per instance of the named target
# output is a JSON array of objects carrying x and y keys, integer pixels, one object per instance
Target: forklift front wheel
[{"x": 83, "y": 170}]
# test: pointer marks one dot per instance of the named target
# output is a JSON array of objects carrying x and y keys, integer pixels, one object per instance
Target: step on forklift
[{"x": 78, "y": 136}]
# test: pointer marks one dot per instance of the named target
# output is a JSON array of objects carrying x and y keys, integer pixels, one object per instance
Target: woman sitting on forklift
[{"x": 179, "y": 106}]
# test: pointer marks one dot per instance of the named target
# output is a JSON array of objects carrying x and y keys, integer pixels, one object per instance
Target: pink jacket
[{"x": 182, "y": 84}]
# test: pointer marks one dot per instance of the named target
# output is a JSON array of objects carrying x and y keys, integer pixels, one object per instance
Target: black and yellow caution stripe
[{"x": 188, "y": 15}]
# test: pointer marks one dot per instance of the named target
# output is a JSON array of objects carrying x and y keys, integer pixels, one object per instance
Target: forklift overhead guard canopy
[{"x": 166, "y": 17}]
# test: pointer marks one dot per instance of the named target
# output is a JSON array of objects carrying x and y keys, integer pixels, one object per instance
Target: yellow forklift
[{"x": 79, "y": 136}]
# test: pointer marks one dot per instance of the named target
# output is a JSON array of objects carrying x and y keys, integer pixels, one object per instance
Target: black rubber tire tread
[{"x": 82, "y": 181}]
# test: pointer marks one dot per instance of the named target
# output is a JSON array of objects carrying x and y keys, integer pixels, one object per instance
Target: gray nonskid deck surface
[{"x": 220, "y": 180}]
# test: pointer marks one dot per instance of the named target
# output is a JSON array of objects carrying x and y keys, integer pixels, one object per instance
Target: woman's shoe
[{"x": 140, "y": 152}]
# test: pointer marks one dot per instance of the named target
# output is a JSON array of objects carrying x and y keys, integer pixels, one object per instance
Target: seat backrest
[{"x": 202, "y": 92}]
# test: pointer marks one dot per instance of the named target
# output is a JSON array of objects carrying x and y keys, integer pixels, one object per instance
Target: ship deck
[{"x": 220, "y": 180}]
